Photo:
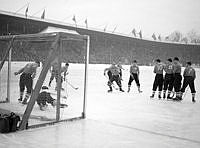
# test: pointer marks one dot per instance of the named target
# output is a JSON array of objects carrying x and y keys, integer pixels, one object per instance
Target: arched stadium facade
[{"x": 104, "y": 47}]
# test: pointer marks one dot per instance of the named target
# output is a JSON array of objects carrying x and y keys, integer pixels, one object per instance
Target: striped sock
[{"x": 21, "y": 94}]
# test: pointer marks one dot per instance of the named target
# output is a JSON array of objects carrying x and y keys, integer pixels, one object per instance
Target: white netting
[{"x": 26, "y": 49}]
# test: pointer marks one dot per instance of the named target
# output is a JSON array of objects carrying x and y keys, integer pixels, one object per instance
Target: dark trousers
[
  {"x": 134, "y": 77},
  {"x": 26, "y": 81},
  {"x": 120, "y": 73},
  {"x": 109, "y": 73},
  {"x": 188, "y": 80},
  {"x": 158, "y": 82},
  {"x": 177, "y": 82},
  {"x": 115, "y": 78},
  {"x": 55, "y": 75},
  {"x": 168, "y": 82}
]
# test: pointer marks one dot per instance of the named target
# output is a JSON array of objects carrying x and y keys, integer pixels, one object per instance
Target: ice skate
[
  {"x": 109, "y": 90},
  {"x": 63, "y": 105},
  {"x": 193, "y": 100},
  {"x": 139, "y": 89},
  {"x": 120, "y": 89},
  {"x": 177, "y": 98},
  {"x": 128, "y": 89},
  {"x": 169, "y": 98},
  {"x": 20, "y": 99},
  {"x": 164, "y": 96},
  {"x": 152, "y": 96}
]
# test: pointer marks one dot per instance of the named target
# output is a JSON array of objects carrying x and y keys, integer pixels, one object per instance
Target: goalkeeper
[{"x": 45, "y": 98}]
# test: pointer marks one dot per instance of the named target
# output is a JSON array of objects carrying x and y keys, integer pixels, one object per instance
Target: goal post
[
  {"x": 63, "y": 47},
  {"x": 8, "y": 54}
]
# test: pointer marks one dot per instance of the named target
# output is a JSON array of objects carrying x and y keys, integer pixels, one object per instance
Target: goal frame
[{"x": 57, "y": 38}]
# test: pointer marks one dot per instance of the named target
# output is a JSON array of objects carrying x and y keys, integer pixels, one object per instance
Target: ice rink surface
[{"x": 120, "y": 120}]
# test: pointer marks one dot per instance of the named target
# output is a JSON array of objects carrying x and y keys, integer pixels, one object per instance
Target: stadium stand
[{"x": 104, "y": 47}]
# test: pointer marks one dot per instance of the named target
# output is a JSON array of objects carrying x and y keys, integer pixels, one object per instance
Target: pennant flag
[
  {"x": 43, "y": 15},
  {"x": 105, "y": 28},
  {"x": 114, "y": 29},
  {"x": 140, "y": 33},
  {"x": 26, "y": 12},
  {"x": 74, "y": 19},
  {"x": 134, "y": 32},
  {"x": 159, "y": 37},
  {"x": 154, "y": 36},
  {"x": 86, "y": 23}
]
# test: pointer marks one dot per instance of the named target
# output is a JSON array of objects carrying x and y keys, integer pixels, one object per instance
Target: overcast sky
[{"x": 150, "y": 16}]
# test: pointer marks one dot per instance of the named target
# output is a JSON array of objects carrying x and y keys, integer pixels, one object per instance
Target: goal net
[{"x": 59, "y": 88}]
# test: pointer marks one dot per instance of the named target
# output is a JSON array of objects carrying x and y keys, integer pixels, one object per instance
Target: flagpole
[
  {"x": 86, "y": 23},
  {"x": 21, "y": 8},
  {"x": 74, "y": 19},
  {"x": 38, "y": 11},
  {"x": 114, "y": 29},
  {"x": 67, "y": 17},
  {"x": 43, "y": 14}
]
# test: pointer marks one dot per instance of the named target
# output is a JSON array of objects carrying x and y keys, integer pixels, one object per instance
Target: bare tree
[
  {"x": 184, "y": 40},
  {"x": 193, "y": 36}
]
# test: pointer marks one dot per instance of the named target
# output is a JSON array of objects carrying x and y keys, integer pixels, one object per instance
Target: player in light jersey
[
  {"x": 28, "y": 73},
  {"x": 168, "y": 79},
  {"x": 158, "y": 81},
  {"x": 115, "y": 77},
  {"x": 64, "y": 70},
  {"x": 134, "y": 75},
  {"x": 189, "y": 75}
]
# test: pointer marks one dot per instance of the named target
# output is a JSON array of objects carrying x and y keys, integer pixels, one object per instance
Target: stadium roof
[{"x": 50, "y": 29}]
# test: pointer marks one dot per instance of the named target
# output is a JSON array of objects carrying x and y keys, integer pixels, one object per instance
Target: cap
[
  {"x": 134, "y": 61},
  {"x": 189, "y": 63},
  {"x": 158, "y": 60},
  {"x": 176, "y": 58},
  {"x": 170, "y": 60}
]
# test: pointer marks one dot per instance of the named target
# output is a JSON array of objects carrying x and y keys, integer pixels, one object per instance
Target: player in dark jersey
[
  {"x": 134, "y": 75},
  {"x": 168, "y": 79},
  {"x": 28, "y": 73},
  {"x": 44, "y": 97},
  {"x": 54, "y": 71},
  {"x": 177, "y": 78},
  {"x": 119, "y": 65},
  {"x": 114, "y": 77},
  {"x": 158, "y": 81},
  {"x": 189, "y": 75}
]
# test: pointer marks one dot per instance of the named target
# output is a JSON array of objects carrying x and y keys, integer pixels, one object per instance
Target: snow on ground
[{"x": 115, "y": 119}]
